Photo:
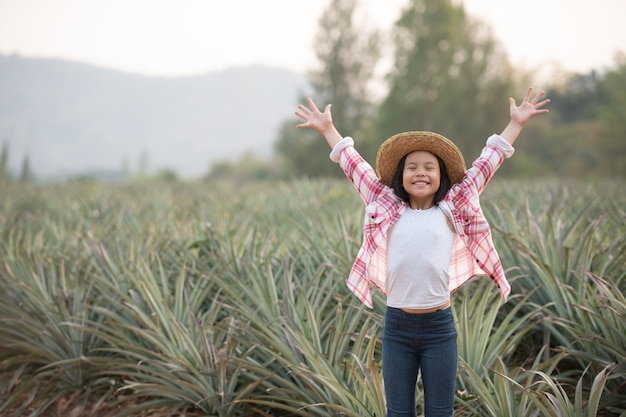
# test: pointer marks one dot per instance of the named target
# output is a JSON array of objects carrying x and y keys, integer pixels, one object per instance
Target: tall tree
[
  {"x": 4, "y": 162},
  {"x": 347, "y": 55},
  {"x": 26, "y": 174},
  {"x": 449, "y": 76},
  {"x": 613, "y": 112}
]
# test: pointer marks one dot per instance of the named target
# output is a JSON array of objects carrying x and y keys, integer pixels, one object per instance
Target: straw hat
[{"x": 396, "y": 147}]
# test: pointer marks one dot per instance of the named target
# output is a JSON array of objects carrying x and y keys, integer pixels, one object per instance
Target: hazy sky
[{"x": 185, "y": 37}]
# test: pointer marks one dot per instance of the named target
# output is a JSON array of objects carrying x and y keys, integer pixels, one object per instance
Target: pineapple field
[{"x": 157, "y": 298}]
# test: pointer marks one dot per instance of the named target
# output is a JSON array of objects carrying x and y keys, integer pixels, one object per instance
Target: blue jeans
[{"x": 414, "y": 342}]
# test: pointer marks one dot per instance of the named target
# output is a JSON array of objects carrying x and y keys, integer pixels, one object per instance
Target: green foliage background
[
  {"x": 229, "y": 299},
  {"x": 450, "y": 75}
]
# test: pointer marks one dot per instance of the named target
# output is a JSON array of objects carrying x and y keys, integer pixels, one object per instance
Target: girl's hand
[
  {"x": 520, "y": 115},
  {"x": 315, "y": 119},
  {"x": 322, "y": 122},
  {"x": 530, "y": 107}
]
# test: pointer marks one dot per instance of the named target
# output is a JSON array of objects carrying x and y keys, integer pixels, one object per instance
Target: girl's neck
[{"x": 422, "y": 204}]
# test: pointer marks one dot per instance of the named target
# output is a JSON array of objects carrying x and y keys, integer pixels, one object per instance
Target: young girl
[{"x": 424, "y": 236}]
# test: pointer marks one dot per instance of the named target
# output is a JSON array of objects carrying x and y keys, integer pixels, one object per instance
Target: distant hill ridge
[{"x": 71, "y": 118}]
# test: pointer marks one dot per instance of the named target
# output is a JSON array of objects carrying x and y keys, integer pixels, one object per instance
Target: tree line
[
  {"x": 26, "y": 173},
  {"x": 437, "y": 68},
  {"x": 448, "y": 74}
]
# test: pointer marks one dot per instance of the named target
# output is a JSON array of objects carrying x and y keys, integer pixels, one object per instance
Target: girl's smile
[{"x": 421, "y": 178}]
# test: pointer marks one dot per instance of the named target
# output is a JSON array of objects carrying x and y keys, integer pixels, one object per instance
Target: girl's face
[{"x": 421, "y": 178}]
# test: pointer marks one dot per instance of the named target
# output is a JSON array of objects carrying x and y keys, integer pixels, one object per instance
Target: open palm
[{"x": 530, "y": 107}]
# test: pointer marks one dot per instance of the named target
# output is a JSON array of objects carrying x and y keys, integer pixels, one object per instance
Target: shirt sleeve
[
  {"x": 358, "y": 170},
  {"x": 501, "y": 144},
  {"x": 341, "y": 145}
]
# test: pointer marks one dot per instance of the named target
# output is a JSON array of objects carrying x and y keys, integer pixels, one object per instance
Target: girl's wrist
[
  {"x": 511, "y": 131},
  {"x": 332, "y": 135},
  {"x": 324, "y": 130}
]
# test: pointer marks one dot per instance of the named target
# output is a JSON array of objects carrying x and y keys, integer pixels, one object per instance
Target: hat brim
[{"x": 396, "y": 147}]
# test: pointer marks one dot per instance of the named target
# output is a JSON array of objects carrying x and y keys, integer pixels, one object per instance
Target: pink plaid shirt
[{"x": 473, "y": 252}]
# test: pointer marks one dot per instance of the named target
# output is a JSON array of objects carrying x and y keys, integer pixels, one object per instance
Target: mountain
[{"x": 70, "y": 118}]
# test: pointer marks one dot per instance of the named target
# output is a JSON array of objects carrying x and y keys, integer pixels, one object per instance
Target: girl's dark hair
[{"x": 444, "y": 185}]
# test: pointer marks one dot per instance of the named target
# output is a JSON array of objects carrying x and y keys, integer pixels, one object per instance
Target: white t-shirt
[{"x": 418, "y": 258}]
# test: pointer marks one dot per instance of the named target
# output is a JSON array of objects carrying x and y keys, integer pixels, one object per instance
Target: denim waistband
[{"x": 398, "y": 312}]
